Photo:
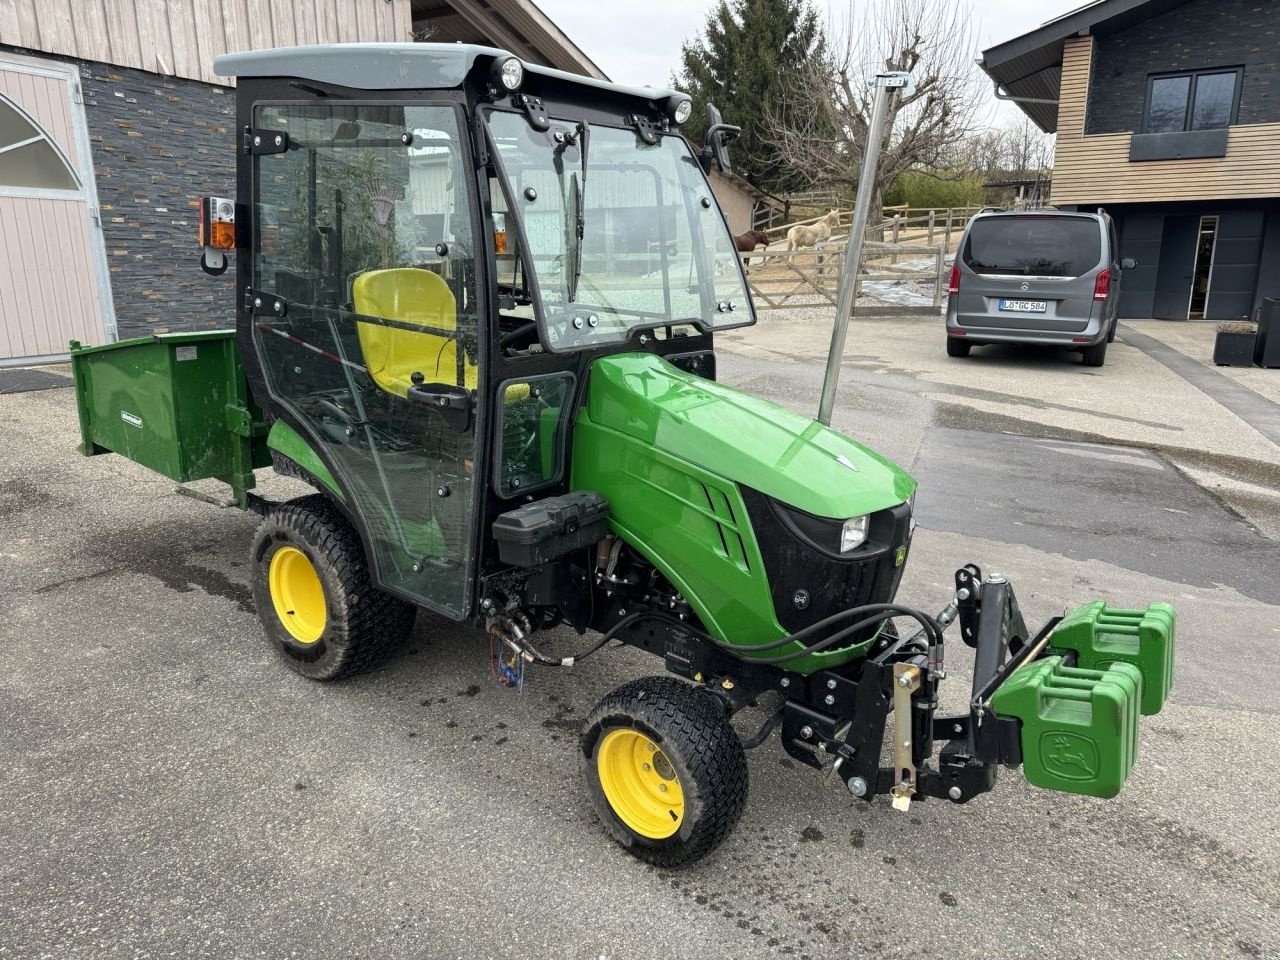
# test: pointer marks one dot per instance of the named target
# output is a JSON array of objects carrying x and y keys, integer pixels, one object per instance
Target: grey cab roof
[
  {"x": 396, "y": 66},
  {"x": 1030, "y": 66}
]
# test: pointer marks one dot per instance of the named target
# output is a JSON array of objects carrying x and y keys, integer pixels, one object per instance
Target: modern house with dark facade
[
  {"x": 113, "y": 124},
  {"x": 1167, "y": 114}
]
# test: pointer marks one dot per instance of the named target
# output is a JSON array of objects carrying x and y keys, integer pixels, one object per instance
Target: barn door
[{"x": 53, "y": 274}]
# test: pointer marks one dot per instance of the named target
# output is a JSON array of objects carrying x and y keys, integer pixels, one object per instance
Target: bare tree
[{"x": 819, "y": 126}]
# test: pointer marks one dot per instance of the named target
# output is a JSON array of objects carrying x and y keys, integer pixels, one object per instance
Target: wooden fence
[{"x": 779, "y": 278}]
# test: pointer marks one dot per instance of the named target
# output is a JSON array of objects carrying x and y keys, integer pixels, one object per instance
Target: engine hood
[{"x": 743, "y": 438}]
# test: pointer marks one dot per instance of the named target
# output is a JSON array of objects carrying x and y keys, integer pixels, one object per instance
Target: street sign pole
[{"x": 886, "y": 85}]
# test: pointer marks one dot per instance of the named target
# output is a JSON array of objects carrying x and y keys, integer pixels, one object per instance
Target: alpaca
[{"x": 801, "y": 236}]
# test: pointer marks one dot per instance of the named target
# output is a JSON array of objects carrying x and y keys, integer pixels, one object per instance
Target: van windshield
[{"x": 1033, "y": 246}]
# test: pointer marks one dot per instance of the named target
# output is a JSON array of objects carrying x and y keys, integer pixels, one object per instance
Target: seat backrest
[{"x": 392, "y": 355}]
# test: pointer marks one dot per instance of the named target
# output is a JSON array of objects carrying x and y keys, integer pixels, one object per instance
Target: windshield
[
  {"x": 620, "y": 234},
  {"x": 1034, "y": 246}
]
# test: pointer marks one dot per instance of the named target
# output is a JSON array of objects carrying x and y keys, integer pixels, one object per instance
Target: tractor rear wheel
[
  {"x": 312, "y": 587},
  {"x": 666, "y": 772}
]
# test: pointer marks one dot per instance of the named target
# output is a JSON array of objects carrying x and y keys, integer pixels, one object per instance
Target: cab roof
[{"x": 398, "y": 66}]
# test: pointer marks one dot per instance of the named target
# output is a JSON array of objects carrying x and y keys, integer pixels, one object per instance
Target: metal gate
[{"x": 54, "y": 284}]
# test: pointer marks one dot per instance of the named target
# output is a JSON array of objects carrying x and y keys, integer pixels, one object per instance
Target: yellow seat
[{"x": 391, "y": 354}]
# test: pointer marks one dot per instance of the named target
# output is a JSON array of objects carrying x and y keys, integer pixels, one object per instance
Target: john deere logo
[
  {"x": 1069, "y": 756},
  {"x": 131, "y": 418}
]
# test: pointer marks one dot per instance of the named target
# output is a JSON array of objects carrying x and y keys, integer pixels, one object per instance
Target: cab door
[{"x": 364, "y": 317}]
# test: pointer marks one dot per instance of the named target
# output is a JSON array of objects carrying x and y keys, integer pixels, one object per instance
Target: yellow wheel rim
[
  {"x": 640, "y": 784},
  {"x": 297, "y": 594}
]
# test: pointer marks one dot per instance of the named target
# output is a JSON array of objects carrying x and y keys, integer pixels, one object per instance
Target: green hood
[{"x": 740, "y": 437}]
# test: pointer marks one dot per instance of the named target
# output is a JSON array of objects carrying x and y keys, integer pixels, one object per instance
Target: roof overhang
[
  {"x": 515, "y": 25},
  {"x": 1029, "y": 68}
]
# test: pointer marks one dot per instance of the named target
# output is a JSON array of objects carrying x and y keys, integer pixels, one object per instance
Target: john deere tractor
[{"x": 476, "y": 301}]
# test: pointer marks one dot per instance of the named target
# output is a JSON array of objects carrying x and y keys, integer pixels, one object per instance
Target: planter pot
[
  {"x": 1267, "y": 351},
  {"x": 1234, "y": 349}
]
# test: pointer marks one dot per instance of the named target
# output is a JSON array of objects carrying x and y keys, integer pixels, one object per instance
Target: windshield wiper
[
  {"x": 578, "y": 229},
  {"x": 580, "y": 221}
]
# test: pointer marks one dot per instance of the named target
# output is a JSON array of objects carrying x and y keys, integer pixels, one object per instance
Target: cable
[
  {"x": 763, "y": 733},
  {"x": 927, "y": 622},
  {"x": 608, "y": 635},
  {"x": 929, "y": 625}
]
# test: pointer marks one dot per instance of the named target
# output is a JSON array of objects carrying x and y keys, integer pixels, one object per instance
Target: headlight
[
  {"x": 511, "y": 73},
  {"x": 854, "y": 533},
  {"x": 683, "y": 110}
]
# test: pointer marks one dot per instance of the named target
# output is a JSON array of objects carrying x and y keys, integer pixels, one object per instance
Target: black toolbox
[{"x": 546, "y": 529}]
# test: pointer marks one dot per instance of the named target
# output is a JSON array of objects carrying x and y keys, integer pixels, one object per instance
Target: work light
[
  {"x": 854, "y": 533},
  {"x": 683, "y": 109},
  {"x": 511, "y": 73}
]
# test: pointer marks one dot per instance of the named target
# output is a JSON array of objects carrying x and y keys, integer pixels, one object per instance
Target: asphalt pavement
[{"x": 170, "y": 790}]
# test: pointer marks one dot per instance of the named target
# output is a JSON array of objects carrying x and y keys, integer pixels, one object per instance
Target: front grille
[{"x": 823, "y": 583}]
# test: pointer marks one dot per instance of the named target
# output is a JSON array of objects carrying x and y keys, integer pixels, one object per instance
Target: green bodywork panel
[
  {"x": 1079, "y": 727},
  {"x": 1101, "y": 636},
  {"x": 743, "y": 438},
  {"x": 176, "y": 403},
  {"x": 668, "y": 450},
  {"x": 288, "y": 442}
]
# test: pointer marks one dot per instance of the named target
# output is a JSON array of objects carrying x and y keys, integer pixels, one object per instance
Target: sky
[{"x": 639, "y": 42}]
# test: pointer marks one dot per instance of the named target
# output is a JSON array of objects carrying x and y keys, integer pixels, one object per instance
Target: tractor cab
[{"x": 431, "y": 264}]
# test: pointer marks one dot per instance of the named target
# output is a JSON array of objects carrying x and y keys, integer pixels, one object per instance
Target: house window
[
  {"x": 28, "y": 158},
  {"x": 1203, "y": 100}
]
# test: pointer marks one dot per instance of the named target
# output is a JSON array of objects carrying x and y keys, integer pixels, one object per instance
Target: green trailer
[{"x": 476, "y": 305}]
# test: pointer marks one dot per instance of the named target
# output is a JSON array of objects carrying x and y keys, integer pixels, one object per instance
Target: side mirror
[
  {"x": 1128, "y": 263},
  {"x": 716, "y": 145}
]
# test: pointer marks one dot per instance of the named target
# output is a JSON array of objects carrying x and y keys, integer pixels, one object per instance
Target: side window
[
  {"x": 362, "y": 226},
  {"x": 532, "y": 425}
]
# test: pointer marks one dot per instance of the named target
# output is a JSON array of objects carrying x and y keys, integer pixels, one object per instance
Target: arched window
[{"x": 28, "y": 158}]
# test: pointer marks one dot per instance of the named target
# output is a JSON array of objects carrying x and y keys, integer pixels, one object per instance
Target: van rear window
[{"x": 1034, "y": 246}]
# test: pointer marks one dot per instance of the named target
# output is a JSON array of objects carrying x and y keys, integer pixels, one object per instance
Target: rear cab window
[{"x": 1033, "y": 246}]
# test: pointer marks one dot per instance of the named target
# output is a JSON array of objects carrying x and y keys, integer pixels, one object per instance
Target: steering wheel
[{"x": 508, "y": 338}]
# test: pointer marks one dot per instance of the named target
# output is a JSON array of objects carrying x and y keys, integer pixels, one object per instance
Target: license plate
[{"x": 1024, "y": 306}]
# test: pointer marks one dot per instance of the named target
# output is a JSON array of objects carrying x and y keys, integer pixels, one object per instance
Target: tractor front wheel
[
  {"x": 666, "y": 771},
  {"x": 314, "y": 596}
]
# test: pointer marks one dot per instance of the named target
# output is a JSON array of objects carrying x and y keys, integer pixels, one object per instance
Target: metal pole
[{"x": 886, "y": 86}]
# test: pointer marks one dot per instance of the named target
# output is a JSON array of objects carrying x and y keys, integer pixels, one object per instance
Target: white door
[{"x": 54, "y": 283}]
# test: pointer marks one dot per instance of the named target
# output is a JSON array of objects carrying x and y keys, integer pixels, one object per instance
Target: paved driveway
[{"x": 169, "y": 790}]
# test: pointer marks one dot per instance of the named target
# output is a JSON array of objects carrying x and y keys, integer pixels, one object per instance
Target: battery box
[{"x": 543, "y": 530}]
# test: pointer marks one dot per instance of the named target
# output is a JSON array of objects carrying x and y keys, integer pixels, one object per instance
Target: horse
[
  {"x": 802, "y": 236},
  {"x": 747, "y": 242}
]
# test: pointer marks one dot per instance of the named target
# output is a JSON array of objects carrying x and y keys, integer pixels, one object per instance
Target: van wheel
[
  {"x": 1096, "y": 355},
  {"x": 1111, "y": 334},
  {"x": 666, "y": 771},
  {"x": 957, "y": 347},
  {"x": 314, "y": 596}
]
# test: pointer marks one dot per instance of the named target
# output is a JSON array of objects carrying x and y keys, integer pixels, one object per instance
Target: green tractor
[{"x": 476, "y": 302}]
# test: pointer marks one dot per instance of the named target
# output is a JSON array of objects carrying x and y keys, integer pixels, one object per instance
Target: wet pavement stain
[
  {"x": 169, "y": 561},
  {"x": 20, "y": 496}
]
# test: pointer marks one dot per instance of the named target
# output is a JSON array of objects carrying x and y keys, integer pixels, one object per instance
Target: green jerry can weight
[
  {"x": 1079, "y": 727},
  {"x": 1101, "y": 636}
]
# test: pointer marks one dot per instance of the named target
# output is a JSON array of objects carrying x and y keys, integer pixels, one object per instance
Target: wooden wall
[
  {"x": 1096, "y": 169},
  {"x": 181, "y": 37}
]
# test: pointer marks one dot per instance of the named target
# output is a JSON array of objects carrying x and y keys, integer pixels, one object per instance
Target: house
[
  {"x": 113, "y": 124},
  {"x": 1167, "y": 115}
]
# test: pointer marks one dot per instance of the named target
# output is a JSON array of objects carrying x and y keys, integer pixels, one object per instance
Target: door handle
[{"x": 453, "y": 404}]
